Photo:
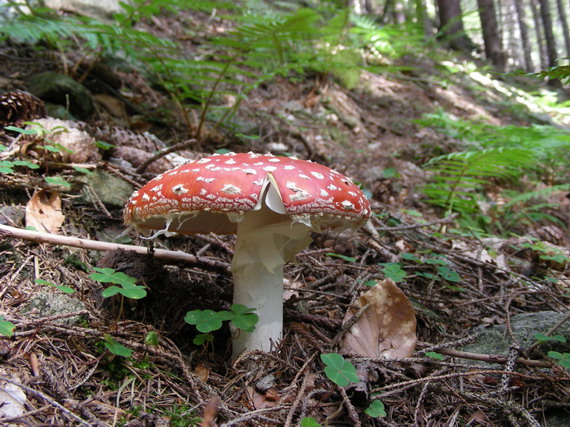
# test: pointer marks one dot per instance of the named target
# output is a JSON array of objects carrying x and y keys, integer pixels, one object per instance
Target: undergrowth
[
  {"x": 260, "y": 43},
  {"x": 528, "y": 162}
]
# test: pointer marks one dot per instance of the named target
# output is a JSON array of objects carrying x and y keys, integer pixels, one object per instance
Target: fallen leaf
[
  {"x": 12, "y": 398},
  {"x": 43, "y": 212},
  {"x": 202, "y": 372},
  {"x": 261, "y": 400},
  {"x": 387, "y": 328}
]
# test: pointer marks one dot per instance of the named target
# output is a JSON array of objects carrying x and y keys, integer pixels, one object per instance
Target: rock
[
  {"x": 108, "y": 188},
  {"x": 60, "y": 89},
  {"x": 49, "y": 302},
  {"x": 77, "y": 146},
  {"x": 10, "y": 215},
  {"x": 98, "y": 9},
  {"x": 494, "y": 340}
]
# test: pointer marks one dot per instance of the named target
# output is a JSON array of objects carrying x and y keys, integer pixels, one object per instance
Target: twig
[
  {"x": 418, "y": 381},
  {"x": 350, "y": 408},
  {"x": 549, "y": 332},
  {"x": 489, "y": 358},
  {"x": 47, "y": 399},
  {"x": 300, "y": 394},
  {"x": 76, "y": 242},
  {"x": 416, "y": 226},
  {"x": 346, "y": 327},
  {"x": 180, "y": 146}
]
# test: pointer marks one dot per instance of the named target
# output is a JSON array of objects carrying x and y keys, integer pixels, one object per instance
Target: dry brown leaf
[
  {"x": 387, "y": 328},
  {"x": 261, "y": 400},
  {"x": 202, "y": 372},
  {"x": 43, "y": 212}
]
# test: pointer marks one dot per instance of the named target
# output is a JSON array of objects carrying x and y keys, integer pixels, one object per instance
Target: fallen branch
[{"x": 76, "y": 242}]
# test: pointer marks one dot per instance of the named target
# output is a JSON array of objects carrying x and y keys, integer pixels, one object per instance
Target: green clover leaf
[{"x": 339, "y": 370}]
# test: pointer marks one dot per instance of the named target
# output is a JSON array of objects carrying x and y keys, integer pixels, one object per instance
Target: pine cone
[{"x": 18, "y": 107}]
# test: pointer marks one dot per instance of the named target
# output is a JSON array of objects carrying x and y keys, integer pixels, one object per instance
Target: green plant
[
  {"x": 127, "y": 284},
  {"x": 309, "y": 422},
  {"x": 7, "y": 166},
  {"x": 6, "y": 328},
  {"x": 496, "y": 154},
  {"x": 207, "y": 321},
  {"x": 376, "y": 409},
  {"x": 116, "y": 348},
  {"x": 343, "y": 257},
  {"x": 339, "y": 370},
  {"x": 62, "y": 288},
  {"x": 559, "y": 72},
  {"x": 458, "y": 178},
  {"x": 545, "y": 338},
  {"x": 563, "y": 359},
  {"x": 393, "y": 270}
]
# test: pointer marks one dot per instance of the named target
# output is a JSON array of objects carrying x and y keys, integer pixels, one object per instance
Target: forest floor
[{"x": 59, "y": 366}]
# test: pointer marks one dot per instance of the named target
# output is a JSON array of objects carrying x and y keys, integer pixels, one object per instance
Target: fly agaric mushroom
[{"x": 272, "y": 203}]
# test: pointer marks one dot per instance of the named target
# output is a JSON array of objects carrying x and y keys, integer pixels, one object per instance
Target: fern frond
[
  {"x": 458, "y": 176},
  {"x": 536, "y": 194}
]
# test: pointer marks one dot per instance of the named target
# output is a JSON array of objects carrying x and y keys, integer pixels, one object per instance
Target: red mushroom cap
[{"x": 210, "y": 194}]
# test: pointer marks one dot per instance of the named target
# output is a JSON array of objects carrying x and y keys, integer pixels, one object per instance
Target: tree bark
[
  {"x": 529, "y": 67},
  {"x": 451, "y": 24},
  {"x": 422, "y": 17},
  {"x": 539, "y": 31},
  {"x": 564, "y": 25},
  {"x": 548, "y": 32},
  {"x": 491, "y": 37}
]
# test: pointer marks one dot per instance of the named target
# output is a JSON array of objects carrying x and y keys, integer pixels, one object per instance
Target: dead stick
[{"x": 76, "y": 242}]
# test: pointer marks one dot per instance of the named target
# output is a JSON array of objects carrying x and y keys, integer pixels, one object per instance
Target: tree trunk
[
  {"x": 564, "y": 24},
  {"x": 548, "y": 32},
  {"x": 451, "y": 24},
  {"x": 529, "y": 67},
  {"x": 491, "y": 38},
  {"x": 423, "y": 18},
  {"x": 539, "y": 31}
]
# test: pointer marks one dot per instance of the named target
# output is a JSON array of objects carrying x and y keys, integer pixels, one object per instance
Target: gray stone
[
  {"x": 48, "y": 302},
  {"x": 108, "y": 188},
  {"x": 63, "y": 90},
  {"x": 10, "y": 215},
  {"x": 99, "y": 9},
  {"x": 495, "y": 340}
]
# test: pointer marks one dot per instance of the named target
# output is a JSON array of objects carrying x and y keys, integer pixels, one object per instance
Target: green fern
[
  {"x": 522, "y": 198},
  {"x": 560, "y": 72},
  {"x": 458, "y": 177}
]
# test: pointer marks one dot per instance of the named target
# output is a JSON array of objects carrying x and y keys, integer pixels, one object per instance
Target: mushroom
[{"x": 271, "y": 203}]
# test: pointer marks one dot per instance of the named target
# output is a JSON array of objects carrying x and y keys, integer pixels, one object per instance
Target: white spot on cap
[
  {"x": 318, "y": 175},
  {"x": 250, "y": 171},
  {"x": 332, "y": 187},
  {"x": 347, "y": 205},
  {"x": 269, "y": 168},
  {"x": 157, "y": 188},
  {"x": 179, "y": 189},
  {"x": 204, "y": 160},
  {"x": 304, "y": 176},
  {"x": 289, "y": 167},
  {"x": 231, "y": 189},
  {"x": 203, "y": 192},
  {"x": 231, "y": 162},
  {"x": 274, "y": 160},
  {"x": 324, "y": 192},
  {"x": 206, "y": 180},
  {"x": 259, "y": 182},
  {"x": 299, "y": 193},
  {"x": 145, "y": 197}
]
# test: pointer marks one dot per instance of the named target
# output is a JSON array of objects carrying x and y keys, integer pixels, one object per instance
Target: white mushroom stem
[{"x": 265, "y": 242}]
